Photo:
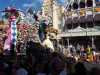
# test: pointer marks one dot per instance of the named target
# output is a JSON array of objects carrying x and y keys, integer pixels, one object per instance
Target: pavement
[{"x": 90, "y": 65}]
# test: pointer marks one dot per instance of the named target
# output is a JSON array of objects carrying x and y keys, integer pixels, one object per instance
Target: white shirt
[
  {"x": 21, "y": 71},
  {"x": 5, "y": 65},
  {"x": 62, "y": 73}
]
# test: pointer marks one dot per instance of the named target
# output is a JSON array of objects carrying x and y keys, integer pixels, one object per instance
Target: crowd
[
  {"x": 80, "y": 52},
  {"x": 41, "y": 60}
]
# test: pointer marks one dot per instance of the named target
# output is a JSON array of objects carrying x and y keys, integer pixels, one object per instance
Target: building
[
  {"x": 82, "y": 23},
  {"x": 51, "y": 11}
]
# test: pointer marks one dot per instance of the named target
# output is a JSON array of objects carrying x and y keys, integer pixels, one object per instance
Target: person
[
  {"x": 78, "y": 49},
  {"x": 90, "y": 57},
  {"x": 67, "y": 51},
  {"x": 21, "y": 71},
  {"x": 70, "y": 46},
  {"x": 80, "y": 69},
  {"x": 4, "y": 67},
  {"x": 95, "y": 71},
  {"x": 73, "y": 50},
  {"x": 88, "y": 49},
  {"x": 82, "y": 49},
  {"x": 56, "y": 65},
  {"x": 2, "y": 73}
]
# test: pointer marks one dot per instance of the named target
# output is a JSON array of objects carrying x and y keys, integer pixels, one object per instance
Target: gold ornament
[
  {"x": 68, "y": 14},
  {"x": 96, "y": 9},
  {"x": 82, "y": 11}
]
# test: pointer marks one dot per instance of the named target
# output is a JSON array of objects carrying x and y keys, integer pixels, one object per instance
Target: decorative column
[
  {"x": 54, "y": 16},
  {"x": 94, "y": 4},
  {"x": 14, "y": 33},
  {"x": 92, "y": 40},
  {"x": 43, "y": 11},
  {"x": 62, "y": 18}
]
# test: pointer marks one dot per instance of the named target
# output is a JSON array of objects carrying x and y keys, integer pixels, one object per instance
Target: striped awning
[
  {"x": 68, "y": 21},
  {"x": 89, "y": 18},
  {"x": 97, "y": 17},
  {"x": 82, "y": 19},
  {"x": 75, "y": 20}
]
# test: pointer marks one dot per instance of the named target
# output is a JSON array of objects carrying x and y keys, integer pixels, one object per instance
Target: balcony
[
  {"x": 85, "y": 12},
  {"x": 79, "y": 31}
]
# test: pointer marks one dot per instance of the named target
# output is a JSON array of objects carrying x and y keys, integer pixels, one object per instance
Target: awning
[
  {"x": 82, "y": 19},
  {"x": 68, "y": 21},
  {"x": 97, "y": 17},
  {"x": 75, "y": 20},
  {"x": 89, "y": 18}
]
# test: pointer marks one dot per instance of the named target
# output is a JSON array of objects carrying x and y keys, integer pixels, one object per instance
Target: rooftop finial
[{"x": 12, "y": 5}]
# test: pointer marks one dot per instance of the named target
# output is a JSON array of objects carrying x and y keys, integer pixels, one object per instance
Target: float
[{"x": 17, "y": 28}]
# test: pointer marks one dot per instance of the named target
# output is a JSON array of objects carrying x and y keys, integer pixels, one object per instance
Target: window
[
  {"x": 82, "y": 5},
  {"x": 83, "y": 25},
  {"x": 75, "y": 26},
  {"x": 69, "y": 9},
  {"x": 59, "y": 23},
  {"x": 75, "y": 6},
  {"x": 69, "y": 26},
  {"x": 97, "y": 23},
  {"x": 96, "y": 0},
  {"x": 59, "y": 26},
  {"x": 97, "y": 3},
  {"x": 90, "y": 24},
  {"x": 89, "y": 3}
]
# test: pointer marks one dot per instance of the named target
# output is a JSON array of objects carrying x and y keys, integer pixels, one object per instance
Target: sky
[{"x": 24, "y": 4}]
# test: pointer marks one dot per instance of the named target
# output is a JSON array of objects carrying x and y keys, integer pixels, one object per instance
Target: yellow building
[{"x": 52, "y": 13}]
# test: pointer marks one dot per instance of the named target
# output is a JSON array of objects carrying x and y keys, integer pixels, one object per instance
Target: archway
[
  {"x": 75, "y": 6},
  {"x": 82, "y": 4},
  {"x": 89, "y": 3}
]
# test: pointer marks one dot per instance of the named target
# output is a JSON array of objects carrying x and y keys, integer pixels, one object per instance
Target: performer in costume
[{"x": 8, "y": 40}]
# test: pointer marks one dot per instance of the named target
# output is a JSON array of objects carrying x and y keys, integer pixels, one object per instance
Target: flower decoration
[
  {"x": 68, "y": 14},
  {"x": 1, "y": 22},
  {"x": 82, "y": 11}
]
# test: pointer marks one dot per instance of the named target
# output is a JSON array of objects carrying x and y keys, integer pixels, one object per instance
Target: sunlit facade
[
  {"x": 82, "y": 23},
  {"x": 51, "y": 11}
]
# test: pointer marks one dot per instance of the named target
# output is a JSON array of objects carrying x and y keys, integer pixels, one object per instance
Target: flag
[{"x": 35, "y": 15}]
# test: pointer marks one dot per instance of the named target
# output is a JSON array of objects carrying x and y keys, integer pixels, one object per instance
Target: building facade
[
  {"x": 52, "y": 13},
  {"x": 82, "y": 23}
]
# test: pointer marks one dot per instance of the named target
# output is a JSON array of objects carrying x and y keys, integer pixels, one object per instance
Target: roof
[{"x": 30, "y": 10}]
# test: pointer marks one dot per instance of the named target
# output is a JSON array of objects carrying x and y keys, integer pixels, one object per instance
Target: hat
[{"x": 21, "y": 71}]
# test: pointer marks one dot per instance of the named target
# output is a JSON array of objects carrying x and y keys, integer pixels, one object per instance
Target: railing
[
  {"x": 83, "y": 33},
  {"x": 88, "y": 11}
]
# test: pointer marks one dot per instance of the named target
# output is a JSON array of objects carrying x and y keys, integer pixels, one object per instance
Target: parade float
[
  {"x": 17, "y": 28},
  {"x": 14, "y": 30}
]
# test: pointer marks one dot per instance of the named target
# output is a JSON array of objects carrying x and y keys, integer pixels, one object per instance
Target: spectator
[
  {"x": 2, "y": 73},
  {"x": 88, "y": 49},
  {"x": 80, "y": 69},
  {"x": 78, "y": 49},
  {"x": 21, "y": 71},
  {"x": 95, "y": 71},
  {"x": 56, "y": 67},
  {"x": 4, "y": 67}
]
